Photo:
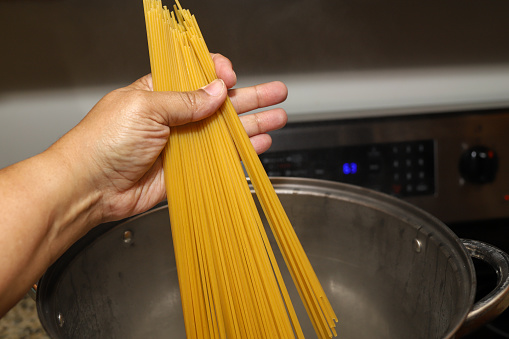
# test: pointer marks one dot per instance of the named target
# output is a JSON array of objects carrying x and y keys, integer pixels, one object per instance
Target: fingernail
[{"x": 215, "y": 88}]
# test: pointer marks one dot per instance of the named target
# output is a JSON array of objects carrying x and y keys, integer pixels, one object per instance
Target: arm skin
[{"x": 107, "y": 168}]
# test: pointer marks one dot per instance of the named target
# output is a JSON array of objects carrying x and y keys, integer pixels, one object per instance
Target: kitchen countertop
[{"x": 22, "y": 322}]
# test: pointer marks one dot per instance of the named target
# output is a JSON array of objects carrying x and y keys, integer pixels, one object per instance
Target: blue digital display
[{"x": 349, "y": 168}]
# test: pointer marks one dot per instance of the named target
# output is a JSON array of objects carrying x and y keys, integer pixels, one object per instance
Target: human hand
[
  {"x": 122, "y": 137},
  {"x": 108, "y": 167}
]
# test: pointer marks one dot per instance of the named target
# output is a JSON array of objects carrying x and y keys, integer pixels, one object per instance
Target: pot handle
[{"x": 493, "y": 304}]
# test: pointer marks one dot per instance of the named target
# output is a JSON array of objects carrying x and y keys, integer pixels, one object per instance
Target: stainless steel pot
[{"x": 389, "y": 269}]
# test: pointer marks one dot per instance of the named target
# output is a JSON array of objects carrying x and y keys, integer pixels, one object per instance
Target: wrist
[{"x": 77, "y": 206}]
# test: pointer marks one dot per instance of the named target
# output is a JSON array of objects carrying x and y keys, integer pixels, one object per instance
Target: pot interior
[{"x": 389, "y": 270}]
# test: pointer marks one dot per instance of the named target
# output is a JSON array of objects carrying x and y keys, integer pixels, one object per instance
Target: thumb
[{"x": 178, "y": 108}]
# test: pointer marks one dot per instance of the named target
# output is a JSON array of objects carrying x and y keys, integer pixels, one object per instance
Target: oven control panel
[
  {"x": 454, "y": 165},
  {"x": 398, "y": 168}
]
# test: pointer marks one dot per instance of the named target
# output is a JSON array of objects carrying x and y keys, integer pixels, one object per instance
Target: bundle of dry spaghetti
[{"x": 230, "y": 283}]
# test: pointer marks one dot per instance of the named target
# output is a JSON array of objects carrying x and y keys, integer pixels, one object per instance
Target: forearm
[{"x": 46, "y": 206}]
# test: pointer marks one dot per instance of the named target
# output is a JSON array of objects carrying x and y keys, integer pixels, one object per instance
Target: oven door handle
[{"x": 493, "y": 304}]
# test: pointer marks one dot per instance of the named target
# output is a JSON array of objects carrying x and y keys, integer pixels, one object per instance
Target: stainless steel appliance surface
[
  {"x": 454, "y": 164},
  {"x": 389, "y": 269}
]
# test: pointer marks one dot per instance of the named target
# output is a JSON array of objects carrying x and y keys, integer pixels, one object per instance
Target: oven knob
[{"x": 479, "y": 165}]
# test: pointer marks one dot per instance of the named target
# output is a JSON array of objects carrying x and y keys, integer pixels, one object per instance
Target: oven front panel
[{"x": 453, "y": 165}]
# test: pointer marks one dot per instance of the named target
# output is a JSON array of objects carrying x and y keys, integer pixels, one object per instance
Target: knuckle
[
  {"x": 131, "y": 103},
  {"x": 259, "y": 123},
  {"x": 130, "y": 98},
  {"x": 137, "y": 101},
  {"x": 138, "y": 97},
  {"x": 190, "y": 102}
]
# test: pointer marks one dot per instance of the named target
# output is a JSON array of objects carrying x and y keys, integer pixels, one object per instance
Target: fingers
[
  {"x": 261, "y": 142},
  {"x": 224, "y": 69},
  {"x": 178, "y": 108},
  {"x": 263, "y": 122},
  {"x": 258, "y": 124},
  {"x": 250, "y": 98}
]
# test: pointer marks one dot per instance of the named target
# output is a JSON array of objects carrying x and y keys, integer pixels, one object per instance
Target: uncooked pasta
[{"x": 230, "y": 283}]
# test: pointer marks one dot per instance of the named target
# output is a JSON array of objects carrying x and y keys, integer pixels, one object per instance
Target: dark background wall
[{"x": 69, "y": 43}]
